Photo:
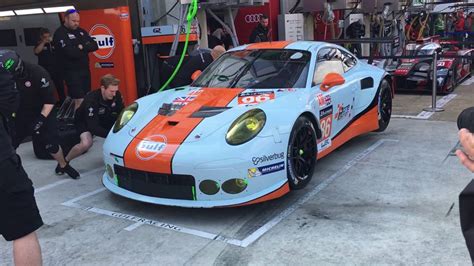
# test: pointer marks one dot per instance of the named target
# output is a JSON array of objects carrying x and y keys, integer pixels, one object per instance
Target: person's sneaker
[
  {"x": 59, "y": 170},
  {"x": 71, "y": 171}
]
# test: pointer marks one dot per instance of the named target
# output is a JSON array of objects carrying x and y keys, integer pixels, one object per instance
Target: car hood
[{"x": 174, "y": 114}]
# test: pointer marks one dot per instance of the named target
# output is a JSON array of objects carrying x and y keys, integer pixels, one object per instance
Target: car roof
[{"x": 296, "y": 45}]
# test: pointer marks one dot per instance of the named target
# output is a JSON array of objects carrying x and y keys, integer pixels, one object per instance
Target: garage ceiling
[{"x": 81, "y": 5}]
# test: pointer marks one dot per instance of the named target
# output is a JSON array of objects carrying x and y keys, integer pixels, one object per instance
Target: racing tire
[
  {"x": 452, "y": 84},
  {"x": 384, "y": 105},
  {"x": 301, "y": 155}
]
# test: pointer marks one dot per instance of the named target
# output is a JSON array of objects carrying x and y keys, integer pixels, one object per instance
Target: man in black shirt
[
  {"x": 196, "y": 62},
  {"x": 47, "y": 59},
  {"x": 73, "y": 44},
  {"x": 36, "y": 103},
  {"x": 97, "y": 114},
  {"x": 260, "y": 33},
  {"x": 20, "y": 217}
]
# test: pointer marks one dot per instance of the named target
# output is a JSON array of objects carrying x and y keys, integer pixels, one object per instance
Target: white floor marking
[
  {"x": 468, "y": 81},
  {"x": 424, "y": 115},
  {"x": 63, "y": 181},
  {"x": 139, "y": 221}
]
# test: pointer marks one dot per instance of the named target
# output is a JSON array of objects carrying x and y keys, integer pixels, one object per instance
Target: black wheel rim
[
  {"x": 302, "y": 153},
  {"x": 385, "y": 105}
]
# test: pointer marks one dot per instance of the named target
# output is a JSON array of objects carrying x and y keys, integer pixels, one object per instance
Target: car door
[{"x": 336, "y": 103}]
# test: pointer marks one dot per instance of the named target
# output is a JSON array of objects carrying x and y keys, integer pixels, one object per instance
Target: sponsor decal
[
  {"x": 264, "y": 170},
  {"x": 324, "y": 100},
  {"x": 150, "y": 147},
  {"x": 27, "y": 83},
  {"x": 343, "y": 111},
  {"x": 123, "y": 16},
  {"x": 105, "y": 40},
  {"x": 267, "y": 158},
  {"x": 104, "y": 65},
  {"x": 325, "y": 120},
  {"x": 71, "y": 36},
  {"x": 91, "y": 112},
  {"x": 184, "y": 100},
  {"x": 255, "y": 97}
]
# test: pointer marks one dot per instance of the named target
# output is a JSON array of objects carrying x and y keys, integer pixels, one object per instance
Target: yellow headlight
[
  {"x": 125, "y": 116},
  {"x": 246, "y": 127}
]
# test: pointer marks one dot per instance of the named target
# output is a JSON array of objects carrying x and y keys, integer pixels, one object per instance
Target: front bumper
[{"x": 111, "y": 186}]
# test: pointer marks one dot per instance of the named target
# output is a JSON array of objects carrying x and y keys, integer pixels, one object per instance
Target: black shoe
[
  {"x": 59, "y": 170},
  {"x": 71, "y": 171}
]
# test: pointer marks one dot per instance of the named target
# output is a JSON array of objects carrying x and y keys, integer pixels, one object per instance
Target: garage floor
[{"x": 383, "y": 198}]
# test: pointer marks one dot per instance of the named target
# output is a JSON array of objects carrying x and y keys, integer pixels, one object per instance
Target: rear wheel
[
  {"x": 385, "y": 105},
  {"x": 301, "y": 155}
]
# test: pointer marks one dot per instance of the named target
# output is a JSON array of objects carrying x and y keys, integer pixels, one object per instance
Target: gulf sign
[{"x": 105, "y": 40}]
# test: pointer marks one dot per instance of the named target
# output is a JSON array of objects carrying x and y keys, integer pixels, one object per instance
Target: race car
[
  {"x": 416, "y": 74},
  {"x": 250, "y": 128}
]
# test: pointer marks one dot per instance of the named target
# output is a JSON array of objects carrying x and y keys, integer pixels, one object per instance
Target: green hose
[{"x": 191, "y": 15}]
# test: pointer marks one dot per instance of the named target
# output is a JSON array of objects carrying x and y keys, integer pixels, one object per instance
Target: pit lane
[{"x": 381, "y": 198}]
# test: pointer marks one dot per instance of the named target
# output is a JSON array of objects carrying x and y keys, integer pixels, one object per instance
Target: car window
[
  {"x": 348, "y": 61},
  {"x": 272, "y": 68},
  {"x": 328, "y": 61}
]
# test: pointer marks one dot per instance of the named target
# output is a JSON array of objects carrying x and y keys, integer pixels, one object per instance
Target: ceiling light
[
  {"x": 57, "y": 9},
  {"x": 29, "y": 11},
  {"x": 6, "y": 13}
]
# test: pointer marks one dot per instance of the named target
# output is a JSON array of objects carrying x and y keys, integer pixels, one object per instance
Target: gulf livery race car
[
  {"x": 415, "y": 74},
  {"x": 248, "y": 129}
]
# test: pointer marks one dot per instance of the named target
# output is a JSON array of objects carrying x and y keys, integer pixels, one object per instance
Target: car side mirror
[
  {"x": 331, "y": 80},
  {"x": 196, "y": 74}
]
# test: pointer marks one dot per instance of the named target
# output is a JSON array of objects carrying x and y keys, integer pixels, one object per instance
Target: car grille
[{"x": 155, "y": 184}]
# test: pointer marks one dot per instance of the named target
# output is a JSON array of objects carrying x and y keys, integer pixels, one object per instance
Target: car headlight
[
  {"x": 246, "y": 127},
  {"x": 125, "y": 116}
]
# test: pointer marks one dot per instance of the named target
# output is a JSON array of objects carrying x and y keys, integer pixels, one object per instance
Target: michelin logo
[
  {"x": 267, "y": 158},
  {"x": 264, "y": 170}
]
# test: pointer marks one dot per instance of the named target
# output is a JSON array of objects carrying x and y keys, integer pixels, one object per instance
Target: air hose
[{"x": 190, "y": 17}]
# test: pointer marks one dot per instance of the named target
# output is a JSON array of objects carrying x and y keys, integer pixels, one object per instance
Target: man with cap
[
  {"x": 73, "y": 45},
  {"x": 20, "y": 217},
  {"x": 36, "y": 103}
]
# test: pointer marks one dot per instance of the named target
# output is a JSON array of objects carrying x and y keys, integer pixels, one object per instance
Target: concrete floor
[{"x": 382, "y": 198}]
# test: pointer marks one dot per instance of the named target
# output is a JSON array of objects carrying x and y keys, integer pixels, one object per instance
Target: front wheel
[
  {"x": 385, "y": 105},
  {"x": 301, "y": 155}
]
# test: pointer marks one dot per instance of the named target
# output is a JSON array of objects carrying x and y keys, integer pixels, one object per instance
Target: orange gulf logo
[{"x": 105, "y": 40}]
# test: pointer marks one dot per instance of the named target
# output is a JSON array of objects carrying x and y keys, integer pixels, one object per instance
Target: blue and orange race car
[{"x": 250, "y": 128}]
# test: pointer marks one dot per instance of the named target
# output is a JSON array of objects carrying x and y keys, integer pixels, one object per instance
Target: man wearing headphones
[
  {"x": 20, "y": 215},
  {"x": 36, "y": 103}
]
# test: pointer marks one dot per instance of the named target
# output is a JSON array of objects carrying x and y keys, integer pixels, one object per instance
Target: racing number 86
[{"x": 326, "y": 127}]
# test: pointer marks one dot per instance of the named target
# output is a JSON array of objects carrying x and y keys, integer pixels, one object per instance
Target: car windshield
[{"x": 270, "y": 68}]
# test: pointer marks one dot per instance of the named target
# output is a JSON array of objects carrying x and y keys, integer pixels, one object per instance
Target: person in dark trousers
[
  {"x": 47, "y": 59},
  {"x": 20, "y": 215},
  {"x": 97, "y": 114},
  {"x": 466, "y": 156},
  {"x": 260, "y": 32},
  {"x": 73, "y": 45},
  {"x": 36, "y": 104},
  {"x": 196, "y": 62}
]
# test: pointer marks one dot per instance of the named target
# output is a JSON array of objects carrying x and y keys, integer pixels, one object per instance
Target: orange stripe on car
[
  {"x": 173, "y": 130},
  {"x": 366, "y": 123},
  {"x": 268, "y": 45}
]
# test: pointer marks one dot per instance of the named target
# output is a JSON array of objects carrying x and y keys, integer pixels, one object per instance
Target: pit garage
[{"x": 386, "y": 197}]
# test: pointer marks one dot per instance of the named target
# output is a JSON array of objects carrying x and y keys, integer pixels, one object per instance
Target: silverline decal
[{"x": 267, "y": 158}]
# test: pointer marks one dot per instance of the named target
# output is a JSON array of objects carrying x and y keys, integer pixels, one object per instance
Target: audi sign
[{"x": 252, "y": 18}]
